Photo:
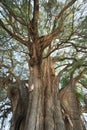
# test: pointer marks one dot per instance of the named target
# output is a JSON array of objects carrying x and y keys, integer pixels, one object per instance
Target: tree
[{"x": 43, "y": 28}]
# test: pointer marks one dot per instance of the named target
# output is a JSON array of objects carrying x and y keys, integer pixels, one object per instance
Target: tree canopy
[{"x": 31, "y": 32}]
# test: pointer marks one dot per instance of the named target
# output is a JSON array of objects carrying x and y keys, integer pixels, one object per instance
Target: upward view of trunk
[
  {"x": 43, "y": 28},
  {"x": 41, "y": 108},
  {"x": 44, "y": 110}
]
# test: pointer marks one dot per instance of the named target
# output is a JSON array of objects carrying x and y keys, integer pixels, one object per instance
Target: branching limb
[
  {"x": 16, "y": 37},
  {"x": 65, "y": 8},
  {"x": 35, "y": 17},
  {"x": 20, "y": 20},
  {"x": 46, "y": 40}
]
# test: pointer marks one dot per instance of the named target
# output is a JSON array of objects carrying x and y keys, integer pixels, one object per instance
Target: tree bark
[
  {"x": 45, "y": 109},
  {"x": 41, "y": 108},
  {"x": 19, "y": 100},
  {"x": 71, "y": 108},
  {"x": 32, "y": 115}
]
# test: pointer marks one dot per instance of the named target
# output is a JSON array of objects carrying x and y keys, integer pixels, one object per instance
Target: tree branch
[
  {"x": 64, "y": 58},
  {"x": 35, "y": 17},
  {"x": 46, "y": 40},
  {"x": 12, "y": 34},
  {"x": 65, "y": 8},
  {"x": 21, "y": 21},
  {"x": 80, "y": 75},
  {"x": 64, "y": 69}
]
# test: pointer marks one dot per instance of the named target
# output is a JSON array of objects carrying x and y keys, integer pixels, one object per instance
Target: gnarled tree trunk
[
  {"x": 39, "y": 108},
  {"x": 44, "y": 110},
  {"x": 71, "y": 107},
  {"x": 19, "y": 100}
]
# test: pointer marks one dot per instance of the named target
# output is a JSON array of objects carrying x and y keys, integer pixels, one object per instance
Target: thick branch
[
  {"x": 65, "y": 8},
  {"x": 35, "y": 17},
  {"x": 46, "y": 40}
]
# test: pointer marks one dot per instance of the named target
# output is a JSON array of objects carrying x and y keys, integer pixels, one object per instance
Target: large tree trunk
[
  {"x": 38, "y": 107},
  {"x": 53, "y": 116},
  {"x": 41, "y": 109},
  {"x": 19, "y": 99},
  {"x": 44, "y": 110},
  {"x": 34, "y": 107},
  {"x": 71, "y": 107}
]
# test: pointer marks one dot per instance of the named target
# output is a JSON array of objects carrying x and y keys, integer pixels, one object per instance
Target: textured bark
[
  {"x": 44, "y": 112},
  {"x": 71, "y": 108},
  {"x": 31, "y": 118},
  {"x": 53, "y": 116},
  {"x": 39, "y": 107},
  {"x": 19, "y": 99}
]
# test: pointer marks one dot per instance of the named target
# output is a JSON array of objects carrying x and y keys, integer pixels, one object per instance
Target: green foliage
[
  {"x": 65, "y": 80},
  {"x": 70, "y": 39},
  {"x": 84, "y": 81},
  {"x": 80, "y": 95},
  {"x": 20, "y": 8}
]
